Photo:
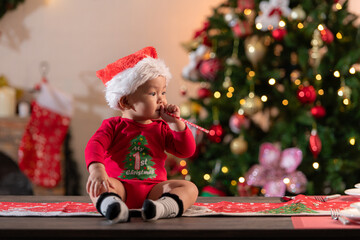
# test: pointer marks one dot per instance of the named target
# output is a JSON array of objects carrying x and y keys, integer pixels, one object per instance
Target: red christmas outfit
[{"x": 135, "y": 154}]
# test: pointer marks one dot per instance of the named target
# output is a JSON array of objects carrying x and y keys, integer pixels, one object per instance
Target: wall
[{"x": 79, "y": 37}]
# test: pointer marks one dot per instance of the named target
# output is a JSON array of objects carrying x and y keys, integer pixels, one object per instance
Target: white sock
[
  {"x": 113, "y": 208},
  {"x": 165, "y": 207}
]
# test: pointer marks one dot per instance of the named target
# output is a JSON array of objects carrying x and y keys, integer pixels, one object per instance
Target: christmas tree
[
  {"x": 279, "y": 90},
  {"x": 138, "y": 162}
]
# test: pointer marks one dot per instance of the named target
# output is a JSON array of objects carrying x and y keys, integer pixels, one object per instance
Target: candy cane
[{"x": 187, "y": 122}]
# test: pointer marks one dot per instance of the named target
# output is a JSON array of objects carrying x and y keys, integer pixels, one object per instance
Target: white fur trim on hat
[{"x": 127, "y": 81}]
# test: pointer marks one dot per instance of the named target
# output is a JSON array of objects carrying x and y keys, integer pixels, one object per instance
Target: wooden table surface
[{"x": 177, "y": 228}]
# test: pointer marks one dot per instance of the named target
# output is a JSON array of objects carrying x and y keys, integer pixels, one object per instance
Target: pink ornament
[
  {"x": 269, "y": 155},
  {"x": 306, "y": 94},
  {"x": 237, "y": 122},
  {"x": 279, "y": 34},
  {"x": 275, "y": 188},
  {"x": 209, "y": 68},
  {"x": 297, "y": 182},
  {"x": 290, "y": 159}
]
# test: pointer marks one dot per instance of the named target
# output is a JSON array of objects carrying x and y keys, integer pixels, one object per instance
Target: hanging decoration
[
  {"x": 272, "y": 11},
  {"x": 238, "y": 145},
  {"x": 315, "y": 143},
  {"x": 306, "y": 94}
]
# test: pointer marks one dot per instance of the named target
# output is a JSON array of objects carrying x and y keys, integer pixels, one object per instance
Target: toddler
[{"x": 126, "y": 155}]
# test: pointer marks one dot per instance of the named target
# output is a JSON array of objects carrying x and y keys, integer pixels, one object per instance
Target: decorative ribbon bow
[{"x": 276, "y": 172}]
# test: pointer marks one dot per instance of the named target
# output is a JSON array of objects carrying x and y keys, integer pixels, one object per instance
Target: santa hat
[{"x": 124, "y": 76}]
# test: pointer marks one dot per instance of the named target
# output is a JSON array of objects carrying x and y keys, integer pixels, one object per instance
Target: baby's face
[{"x": 148, "y": 99}]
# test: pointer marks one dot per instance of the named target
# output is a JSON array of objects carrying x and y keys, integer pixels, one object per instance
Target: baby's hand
[
  {"x": 169, "y": 108},
  {"x": 98, "y": 181},
  {"x": 174, "y": 123}
]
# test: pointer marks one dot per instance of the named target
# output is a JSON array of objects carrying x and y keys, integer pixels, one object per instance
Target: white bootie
[
  {"x": 167, "y": 206},
  {"x": 113, "y": 208}
]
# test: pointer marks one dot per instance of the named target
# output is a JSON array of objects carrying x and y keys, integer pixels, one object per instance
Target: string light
[
  {"x": 300, "y": 26},
  {"x": 340, "y": 92},
  {"x": 286, "y": 180},
  {"x": 318, "y": 77},
  {"x": 316, "y": 165},
  {"x": 352, "y": 141},
  {"x": 272, "y": 81},
  {"x": 242, "y": 101},
  {"x": 247, "y": 12},
  {"x": 264, "y": 98},
  {"x": 225, "y": 169},
  {"x": 338, "y": 6},
  {"x": 337, "y": 74},
  {"x": 282, "y": 23},
  {"x": 352, "y": 70},
  {"x": 233, "y": 183},
  {"x": 346, "y": 101},
  {"x": 258, "y": 26},
  {"x": 251, "y": 74},
  {"x": 207, "y": 177},
  {"x": 184, "y": 171},
  {"x": 217, "y": 94},
  {"x": 231, "y": 89},
  {"x": 321, "y": 92},
  {"x": 320, "y": 27},
  {"x": 297, "y": 82},
  {"x": 241, "y": 179},
  {"x": 183, "y": 163},
  {"x": 339, "y": 35},
  {"x": 229, "y": 95},
  {"x": 285, "y": 102}
]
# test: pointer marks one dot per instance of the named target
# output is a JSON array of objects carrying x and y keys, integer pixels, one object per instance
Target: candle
[{"x": 7, "y": 101}]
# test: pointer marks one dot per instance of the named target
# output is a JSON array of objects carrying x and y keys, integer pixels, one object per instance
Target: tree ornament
[
  {"x": 238, "y": 145},
  {"x": 255, "y": 49},
  {"x": 185, "y": 109},
  {"x": 272, "y": 12},
  {"x": 252, "y": 104},
  {"x": 318, "y": 111},
  {"x": 183, "y": 90},
  {"x": 315, "y": 143},
  {"x": 204, "y": 92},
  {"x": 216, "y": 133},
  {"x": 279, "y": 34},
  {"x": 209, "y": 68},
  {"x": 298, "y": 13},
  {"x": 306, "y": 94},
  {"x": 239, "y": 28},
  {"x": 344, "y": 91},
  {"x": 191, "y": 71},
  {"x": 237, "y": 122},
  {"x": 327, "y": 36},
  {"x": 245, "y": 4}
]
